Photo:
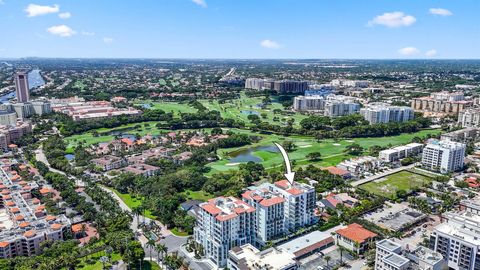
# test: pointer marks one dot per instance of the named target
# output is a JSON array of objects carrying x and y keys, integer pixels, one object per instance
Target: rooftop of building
[
  {"x": 250, "y": 257},
  {"x": 226, "y": 208},
  {"x": 307, "y": 243},
  {"x": 356, "y": 233},
  {"x": 388, "y": 244},
  {"x": 396, "y": 260}
]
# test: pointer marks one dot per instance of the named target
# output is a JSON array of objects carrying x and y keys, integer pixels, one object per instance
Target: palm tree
[
  {"x": 151, "y": 245},
  {"x": 162, "y": 249},
  {"x": 327, "y": 259},
  {"x": 137, "y": 211}
]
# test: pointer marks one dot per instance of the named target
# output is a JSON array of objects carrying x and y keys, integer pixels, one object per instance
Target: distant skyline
[{"x": 237, "y": 29}]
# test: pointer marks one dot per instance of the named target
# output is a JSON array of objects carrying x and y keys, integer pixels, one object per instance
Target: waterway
[{"x": 35, "y": 80}]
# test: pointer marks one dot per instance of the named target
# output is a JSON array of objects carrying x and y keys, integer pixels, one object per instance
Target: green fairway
[
  {"x": 175, "y": 107},
  {"x": 331, "y": 150},
  {"x": 405, "y": 180}
]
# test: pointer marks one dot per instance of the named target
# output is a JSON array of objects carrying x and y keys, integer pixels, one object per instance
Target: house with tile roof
[{"x": 355, "y": 238}]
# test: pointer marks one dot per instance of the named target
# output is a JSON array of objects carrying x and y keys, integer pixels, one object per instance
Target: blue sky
[{"x": 241, "y": 28}]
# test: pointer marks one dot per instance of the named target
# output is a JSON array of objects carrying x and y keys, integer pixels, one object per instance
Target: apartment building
[
  {"x": 309, "y": 103},
  {"x": 469, "y": 117},
  {"x": 335, "y": 108},
  {"x": 8, "y": 118},
  {"x": 247, "y": 257},
  {"x": 400, "y": 152},
  {"x": 223, "y": 223},
  {"x": 108, "y": 162},
  {"x": 391, "y": 256},
  {"x": 443, "y": 156},
  {"x": 442, "y": 103},
  {"x": 457, "y": 240},
  {"x": 349, "y": 83},
  {"x": 23, "y": 219},
  {"x": 11, "y": 134},
  {"x": 270, "y": 213},
  {"x": 376, "y": 113},
  {"x": 465, "y": 135}
]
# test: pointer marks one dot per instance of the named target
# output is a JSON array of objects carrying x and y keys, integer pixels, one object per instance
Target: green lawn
[
  {"x": 404, "y": 180},
  {"x": 97, "y": 265},
  {"x": 177, "y": 232},
  {"x": 331, "y": 150},
  {"x": 132, "y": 202},
  {"x": 197, "y": 195}
]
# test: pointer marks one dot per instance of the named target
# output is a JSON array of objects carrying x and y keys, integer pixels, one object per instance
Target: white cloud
[
  {"x": 86, "y": 33},
  {"x": 440, "y": 12},
  {"x": 65, "y": 15},
  {"x": 269, "y": 44},
  {"x": 108, "y": 40},
  {"x": 409, "y": 51},
  {"x": 34, "y": 10},
  {"x": 431, "y": 53},
  {"x": 393, "y": 19},
  {"x": 201, "y": 3},
  {"x": 61, "y": 30}
]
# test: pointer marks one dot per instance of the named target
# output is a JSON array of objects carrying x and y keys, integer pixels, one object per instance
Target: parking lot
[{"x": 317, "y": 261}]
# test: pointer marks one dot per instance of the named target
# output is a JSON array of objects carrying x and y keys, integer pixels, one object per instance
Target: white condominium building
[
  {"x": 443, "y": 156},
  {"x": 334, "y": 108},
  {"x": 383, "y": 113},
  {"x": 469, "y": 117},
  {"x": 223, "y": 223},
  {"x": 400, "y": 152},
  {"x": 247, "y": 257},
  {"x": 270, "y": 213},
  {"x": 309, "y": 103},
  {"x": 300, "y": 203},
  {"x": 458, "y": 240},
  {"x": 390, "y": 256}
]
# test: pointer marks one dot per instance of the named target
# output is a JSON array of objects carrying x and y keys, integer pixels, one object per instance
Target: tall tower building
[{"x": 21, "y": 86}]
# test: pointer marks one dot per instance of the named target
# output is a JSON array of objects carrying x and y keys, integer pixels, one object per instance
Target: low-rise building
[
  {"x": 400, "y": 152},
  {"x": 247, "y": 257},
  {"x": 108, "y": 162},
  {"x": 355, "y": 238},
  {"x": 361, "y": 165}
]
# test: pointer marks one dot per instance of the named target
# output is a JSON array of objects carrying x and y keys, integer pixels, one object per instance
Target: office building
[
  {"x": 21, "y": 87},
  {"x": 247, "y": 257},
  {"x": 469, "y": 118},
  {"x": 443, "y": 156},
  {"x": 223, "y": 223},
  {"x": 376, "y": 113},
  {"x": 457, "y": 240},
  {"x": 391, "y": 256}
]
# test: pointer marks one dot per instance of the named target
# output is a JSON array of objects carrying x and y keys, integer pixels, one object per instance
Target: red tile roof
[
  {"x": 272, "y": 201},
  {"x": 4, "y": 244},
  {"x": 356, "y": 233},
  {"x": 313, "y": 247},
  {"x": 210, "y": 208},
  {"x": 294, "y": 191},
  {"x": 282, "y": 184},
  {"x": 337, "y": 171}
]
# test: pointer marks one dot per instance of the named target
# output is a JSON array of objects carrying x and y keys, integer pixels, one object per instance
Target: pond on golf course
[{"x": 246, "y": 154}]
